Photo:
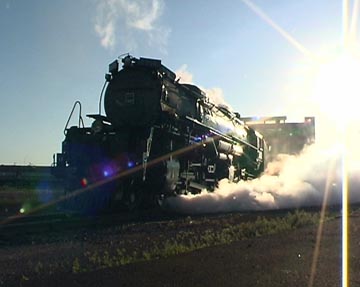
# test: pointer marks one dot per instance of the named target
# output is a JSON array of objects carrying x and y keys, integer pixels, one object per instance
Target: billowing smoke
[
  {"x": 129, "y": 23},
  {"x": 288, "y": 182},
  {"x": 215, "y": 94},
  {"x": 184, "y": 75}
]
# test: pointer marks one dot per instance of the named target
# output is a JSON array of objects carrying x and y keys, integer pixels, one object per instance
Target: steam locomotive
[{"x": 159, "y": 138}]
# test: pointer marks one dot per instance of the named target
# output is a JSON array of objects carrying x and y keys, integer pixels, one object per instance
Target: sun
[
  {"x": 336, "y": 94},
  {"x": 336, "y": 89}
]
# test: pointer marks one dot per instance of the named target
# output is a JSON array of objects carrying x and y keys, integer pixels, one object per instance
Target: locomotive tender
[{"x": 159, "y": 138}]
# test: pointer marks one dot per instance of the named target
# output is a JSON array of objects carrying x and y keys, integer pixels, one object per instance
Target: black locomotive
[{"x": 159, "y": 138}]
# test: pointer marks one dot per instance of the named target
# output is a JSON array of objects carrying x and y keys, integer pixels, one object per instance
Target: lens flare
[
  {"x": 84, "y": 182},
  {"x": 296, "y": 44},
  {"x": 336, "y": 88}
]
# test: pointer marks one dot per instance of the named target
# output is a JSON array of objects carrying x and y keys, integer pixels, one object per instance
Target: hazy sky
[{"x": 56, "y": 52}]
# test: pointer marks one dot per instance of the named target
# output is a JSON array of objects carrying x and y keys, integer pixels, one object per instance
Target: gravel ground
[{"x": 282, "y": 259}]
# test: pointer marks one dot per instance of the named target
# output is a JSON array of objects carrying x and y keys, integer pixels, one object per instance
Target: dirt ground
[{"x": 276, "y": 260}]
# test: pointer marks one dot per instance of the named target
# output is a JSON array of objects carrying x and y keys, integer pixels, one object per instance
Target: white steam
[
  {"x": 215, "y": 94},
  {"x": 184, "y": 75},
  {"x": 130, "y": 22},
  {"x": 288, "y": 182}
]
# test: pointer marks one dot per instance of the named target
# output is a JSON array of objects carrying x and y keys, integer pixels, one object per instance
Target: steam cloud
[
  {"x": 215, "y": 94},
  {"x": 288, "y": 182},
  {"x": 131, "y": 20},
  {"x": 184, "y": 75}
]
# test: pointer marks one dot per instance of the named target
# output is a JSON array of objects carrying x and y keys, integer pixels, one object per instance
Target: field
[{"x": 249, "y": 249}]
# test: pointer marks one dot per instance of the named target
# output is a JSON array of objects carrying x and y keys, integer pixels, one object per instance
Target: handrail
[
  {"x": 81, "y": 122},
  {"x": 101, "y": 96}
]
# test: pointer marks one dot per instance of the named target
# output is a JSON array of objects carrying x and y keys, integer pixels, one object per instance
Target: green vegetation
[
  {"x": 193, "y": 235},
  {"x": 187, "y": 241}
]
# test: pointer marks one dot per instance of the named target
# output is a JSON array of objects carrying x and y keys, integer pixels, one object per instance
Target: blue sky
[{"x": 56, "y": 52}]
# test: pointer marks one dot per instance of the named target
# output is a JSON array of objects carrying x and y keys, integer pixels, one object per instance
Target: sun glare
[
  {"x": 337, "y": 88},
  {"x": 335, "y": 94}
]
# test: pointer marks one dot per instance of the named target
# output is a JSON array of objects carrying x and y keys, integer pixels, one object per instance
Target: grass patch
[
  {"x": 187, "y": 241},
  {"x": 169, "y": 241}
]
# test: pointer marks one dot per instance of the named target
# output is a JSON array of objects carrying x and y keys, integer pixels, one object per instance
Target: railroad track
[
  {"x": 53, "y": 226},
  {"x": 24, "y": 229},
  {"x": 144, "y": 216}
]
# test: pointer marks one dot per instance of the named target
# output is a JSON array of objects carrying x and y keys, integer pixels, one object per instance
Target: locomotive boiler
[{"x": 159, "y": 138}]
